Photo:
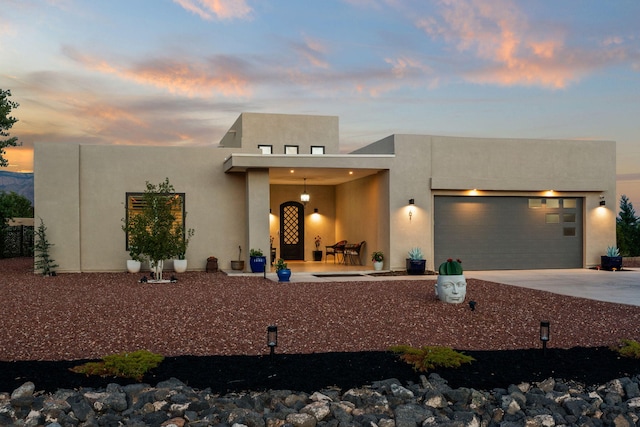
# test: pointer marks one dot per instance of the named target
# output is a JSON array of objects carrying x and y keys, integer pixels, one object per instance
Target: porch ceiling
[{"x": 319, "y": 170}]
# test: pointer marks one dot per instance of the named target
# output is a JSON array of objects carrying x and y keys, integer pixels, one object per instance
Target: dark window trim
[{"x": 297, "y": 147}]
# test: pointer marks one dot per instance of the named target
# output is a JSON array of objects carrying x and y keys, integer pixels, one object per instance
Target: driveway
[{"x": 621, "y": 287}]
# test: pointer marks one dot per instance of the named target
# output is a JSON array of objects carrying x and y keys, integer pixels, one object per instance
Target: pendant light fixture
[{"x": 304, "y": 197}]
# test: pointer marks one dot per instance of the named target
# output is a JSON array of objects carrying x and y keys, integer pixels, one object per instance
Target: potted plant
[
  {"x": 378, "y": 260},
  {"x": 612, "y": 260},
  {"x": 317, "y": 254},
  {"x": 416, "y": 264},
  {"x": 239, "y": 264},
  {"x": 134, "y": 263},
  {"x": 282, "y": 271},
  {"x": 154, "y": 228},
  {"x": 257, "y": 261},
  {"x": 182, "y": 242},
  {"x": 451, "y": 285}
]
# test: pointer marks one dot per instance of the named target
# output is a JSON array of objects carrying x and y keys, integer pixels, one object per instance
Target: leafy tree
[
  {"x": 6, "y": 122},
  {"x": 628, "y": 229}
]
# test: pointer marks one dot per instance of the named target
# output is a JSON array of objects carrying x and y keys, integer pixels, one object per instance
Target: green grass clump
[
  {"x": 125, "y": 365},
  {"x": 427, "y": 358},
  {"x": 628, "y": 348}
]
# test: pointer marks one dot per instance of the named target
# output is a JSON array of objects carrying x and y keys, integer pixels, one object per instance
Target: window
[
  {"x": 569, "y": 231},
  {"x": 552, "y": 218},
  {"x": 569, "y": 203},
  {"x": 266, "y": 149},
  {"x": 290, "y": 149},
  {"x": 136, "y": 203},
  {"x": 317, "y": 149},
  {"x": 569, "y": 217},
  {"x": 553, "y": 203},
  {"x": 535, "y": 203}
]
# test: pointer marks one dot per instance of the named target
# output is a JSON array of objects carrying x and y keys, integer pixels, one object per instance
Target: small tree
[
  {"x": 628, "y": 229},
  {"x": 44, "y": 262},
  {"x": 6, "y": 122},
  {"x": 154, "y": 231}
]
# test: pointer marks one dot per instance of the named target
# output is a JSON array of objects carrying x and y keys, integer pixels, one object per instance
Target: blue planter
[
  {"x": 416, "y": 266},
  {"x": 258, "y": 263},
  {"x": 284, "y": 275}
]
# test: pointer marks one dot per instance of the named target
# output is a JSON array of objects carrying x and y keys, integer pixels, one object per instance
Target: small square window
[
  {"x": 569, "y": 217},
  {"x": 266, "y": 149},
  {"x": 553, "y": 203},
  {"x": 552, "y": 218},
  {"x": 569, "y": 231},
  {"x": 290, "y": 149},
  {"x": 535, "y": 203},
  {"x": 569, "y": 203},
  {"x": 317, "y": 149}
]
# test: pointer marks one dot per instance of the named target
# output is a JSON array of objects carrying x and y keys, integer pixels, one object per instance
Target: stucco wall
[
  {"x": 278, "y": 130},
  {"x": 214, "y": 201}
]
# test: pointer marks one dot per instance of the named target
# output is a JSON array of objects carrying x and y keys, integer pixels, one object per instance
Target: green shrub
[
  {"x": 430, "y": 357},
  {"x": 628, "y": 348},
  {"x": 126, "y": 365}
]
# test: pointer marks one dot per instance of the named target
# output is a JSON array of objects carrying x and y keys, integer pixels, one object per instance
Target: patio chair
[
  {"x": 335, "y": 250},
  {"x": 352, "y": 253}
]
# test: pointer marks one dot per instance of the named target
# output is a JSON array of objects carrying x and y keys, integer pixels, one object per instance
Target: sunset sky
[{"x": 179, "y": 72}]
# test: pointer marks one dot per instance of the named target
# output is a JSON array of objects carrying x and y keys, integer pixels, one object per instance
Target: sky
[{"x": 179, "y": 72}]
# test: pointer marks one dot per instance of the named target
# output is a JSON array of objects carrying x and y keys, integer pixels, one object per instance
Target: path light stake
[
  {"x": 272, "y": 338},
  {"x": 544, "y": 335}
]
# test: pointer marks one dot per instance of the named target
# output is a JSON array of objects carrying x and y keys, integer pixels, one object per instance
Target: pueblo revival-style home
[{"x": 495, "y": 203}]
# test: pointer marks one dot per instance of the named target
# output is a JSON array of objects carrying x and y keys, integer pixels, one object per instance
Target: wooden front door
[{"x": 292, "y": 231}]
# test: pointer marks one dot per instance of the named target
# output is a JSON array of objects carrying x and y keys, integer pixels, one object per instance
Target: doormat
[{"x": 339, "y": 275}]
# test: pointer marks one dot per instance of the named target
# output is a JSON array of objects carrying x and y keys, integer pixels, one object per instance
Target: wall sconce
[
  {"x": 272, "y": 338},
  {"x": 602, "y": 201},
  {"x": 411, "y": 203},
  {"x": 304, "y": 197},
  {"x": 315, "y": 210},
  {"x": 544, "y": 335}
]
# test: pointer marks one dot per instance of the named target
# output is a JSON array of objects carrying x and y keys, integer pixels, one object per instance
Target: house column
[{"x": 257, "y": 193}]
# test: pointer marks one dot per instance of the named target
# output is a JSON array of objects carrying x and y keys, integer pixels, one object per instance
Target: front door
[{"x": 292, "y": 231}]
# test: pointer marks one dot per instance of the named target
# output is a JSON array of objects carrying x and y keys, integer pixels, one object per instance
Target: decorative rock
[
  {"x": 23, "y": 395},
  {"x": 385, "y": 403}
]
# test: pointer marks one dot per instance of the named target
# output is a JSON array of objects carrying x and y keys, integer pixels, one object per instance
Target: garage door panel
[{"x": 506, "y": 233}]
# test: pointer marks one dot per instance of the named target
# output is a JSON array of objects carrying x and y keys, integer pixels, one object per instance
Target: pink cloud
[
  {"x": 500, "y": 35},
  {"x": 222, "y": 9},
  {"x": 192, "y": 78}
]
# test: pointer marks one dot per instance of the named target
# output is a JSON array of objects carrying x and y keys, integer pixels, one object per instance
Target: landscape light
[
  {"x": 472, "y": 305},
  {"x": 544, "y": 334},
  {"x": 272, "y": 338}
]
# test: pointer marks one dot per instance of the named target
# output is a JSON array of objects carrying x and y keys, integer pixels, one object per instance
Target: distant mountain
[{"x": 21, "y": 183}]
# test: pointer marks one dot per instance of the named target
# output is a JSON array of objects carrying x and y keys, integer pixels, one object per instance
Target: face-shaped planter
[{"x": 451, "y": 289}]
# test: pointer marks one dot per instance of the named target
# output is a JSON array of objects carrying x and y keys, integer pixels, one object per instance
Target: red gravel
[{"x": 89, "y": 315}]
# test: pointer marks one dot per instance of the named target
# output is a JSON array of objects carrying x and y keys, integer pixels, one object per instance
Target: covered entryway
[{"x": 509, "y": 233}]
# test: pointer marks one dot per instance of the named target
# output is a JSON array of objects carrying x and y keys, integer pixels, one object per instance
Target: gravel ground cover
[{"x": 212, "y": 329}]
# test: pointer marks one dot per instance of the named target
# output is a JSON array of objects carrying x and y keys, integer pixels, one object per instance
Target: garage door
[{"x": 508, "y": 233}]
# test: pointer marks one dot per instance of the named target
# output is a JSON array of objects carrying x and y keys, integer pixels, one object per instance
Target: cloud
[
  {"x": 220, "y": 74},
  {"x": 222, "y": 9},
  {"x": 513, "y": 51},
  {"x": 628, "y": 177},
  {"x": 312, "y": 50}
]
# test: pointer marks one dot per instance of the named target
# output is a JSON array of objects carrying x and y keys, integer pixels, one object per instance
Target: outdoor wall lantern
[
  {"x": 315, "y": 210},
  {"x": 544, "y": 334},
  {"x": 304, "y": 197},
  {"x": 602, "y": 201},
  {"x": 272, "y": 338},
  {"x": 411, "y": 203}
]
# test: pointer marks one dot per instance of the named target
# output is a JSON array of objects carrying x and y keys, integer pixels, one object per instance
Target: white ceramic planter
[
  {"x": 377, "y": 265},
  {"x": 451, "y": 288},
  {"x": 179, "y": 265},
  {"x": 133, "y": 266}
]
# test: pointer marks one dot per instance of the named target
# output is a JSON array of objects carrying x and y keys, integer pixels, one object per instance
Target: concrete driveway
[{"x": 621, "y": 287}]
